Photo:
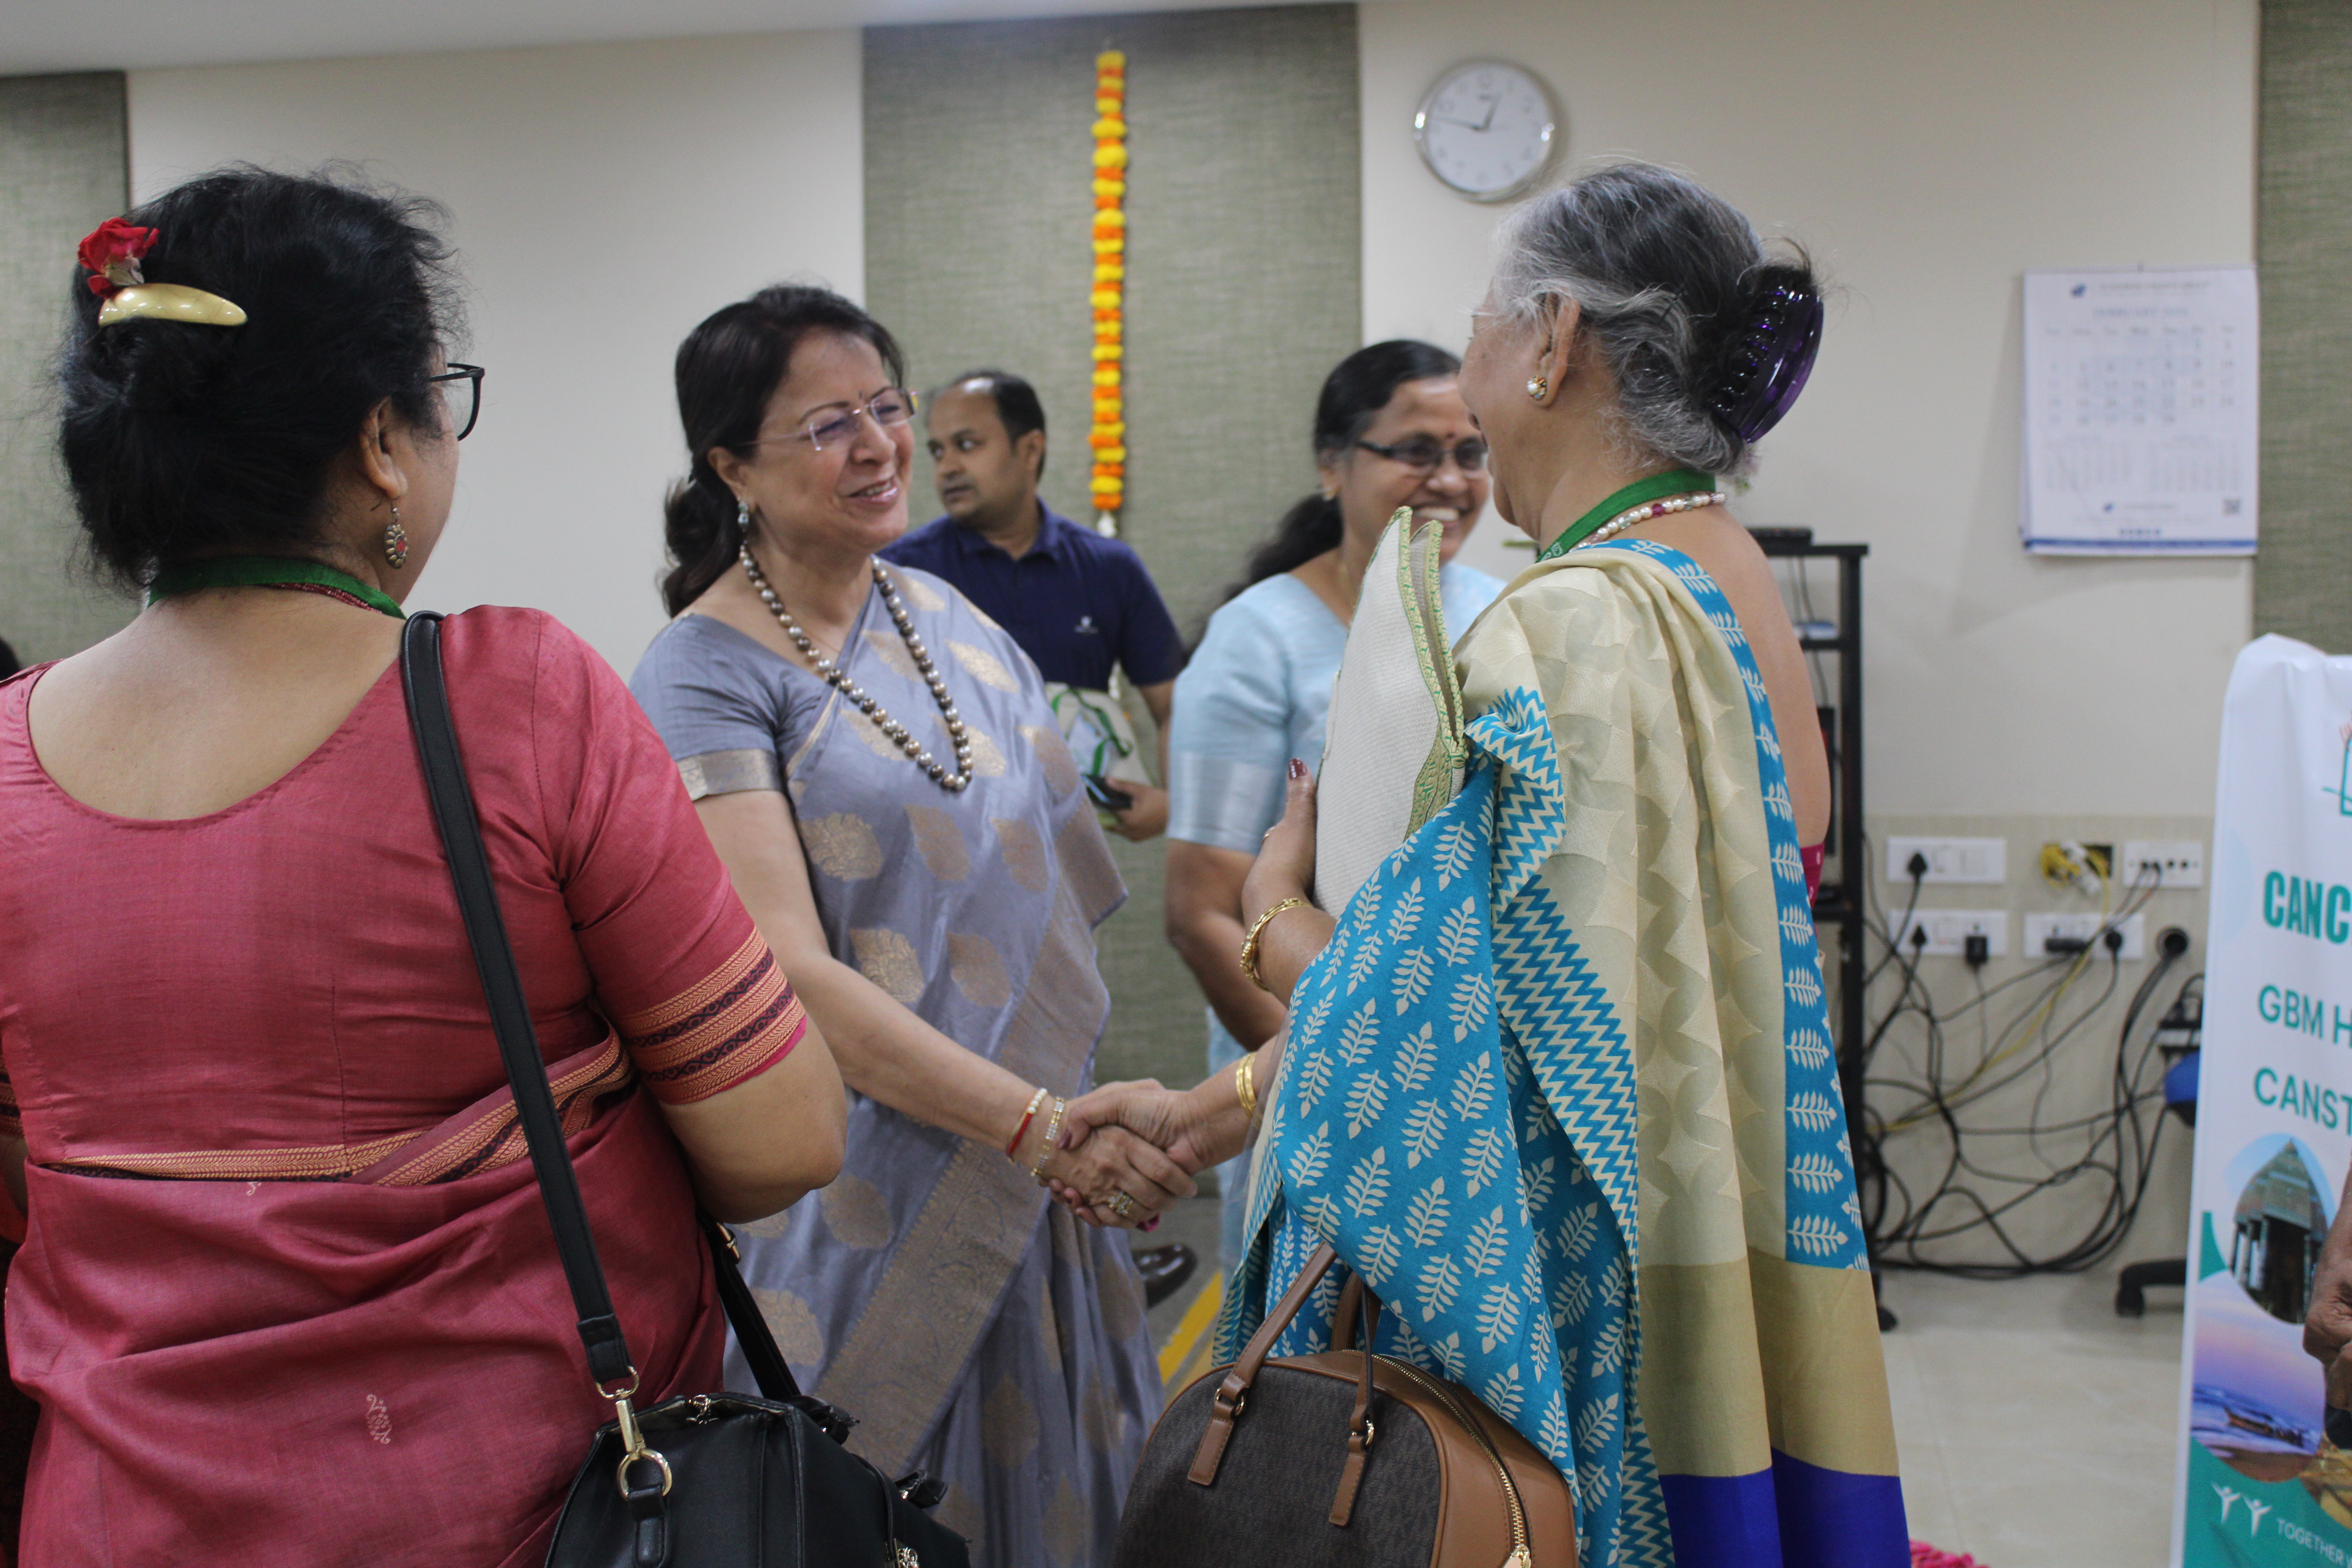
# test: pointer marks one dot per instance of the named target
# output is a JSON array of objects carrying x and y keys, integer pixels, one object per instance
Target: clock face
[{"x": 1485, "y": 128}]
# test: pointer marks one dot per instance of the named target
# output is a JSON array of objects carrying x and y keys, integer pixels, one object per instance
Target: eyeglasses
[
  {"x": 461, "y": 389},
  {"x": 891, "y": 406},
  {"x": 1427, "y": 453}
]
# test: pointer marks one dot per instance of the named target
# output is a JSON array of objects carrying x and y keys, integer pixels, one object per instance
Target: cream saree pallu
[
  {"x": 1561, "y": 1087},
  {"x": 972, "y": 1328}
]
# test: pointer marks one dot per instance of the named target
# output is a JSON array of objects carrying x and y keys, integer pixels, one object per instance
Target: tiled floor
[{"x": 2035, "y": 1427}]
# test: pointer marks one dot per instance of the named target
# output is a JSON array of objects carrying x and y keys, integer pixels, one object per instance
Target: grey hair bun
[{"x": 1668, "y": 277}]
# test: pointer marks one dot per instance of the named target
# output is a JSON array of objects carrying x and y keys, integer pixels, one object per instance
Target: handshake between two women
[{"x": 1129, "y": 1149}]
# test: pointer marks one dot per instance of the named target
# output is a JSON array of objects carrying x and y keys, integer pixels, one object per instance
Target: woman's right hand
[
  {"x": 1184, "y": 1124},
  {"x": 1111, "y": 1161}
]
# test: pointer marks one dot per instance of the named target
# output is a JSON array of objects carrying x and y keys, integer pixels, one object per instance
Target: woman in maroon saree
[{"x": 288, "y": 1295}]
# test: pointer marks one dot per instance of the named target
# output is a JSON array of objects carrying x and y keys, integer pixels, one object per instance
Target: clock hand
[
  {"x": 1449, "y": 120},
  {"x": 1492, "y": 105}
]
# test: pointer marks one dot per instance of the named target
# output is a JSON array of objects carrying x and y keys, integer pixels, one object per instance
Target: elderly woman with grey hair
[{"x": 1559, "y": 1083}]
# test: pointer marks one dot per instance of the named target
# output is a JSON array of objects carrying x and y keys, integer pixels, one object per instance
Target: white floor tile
[{"x": 2034, "y": 1427}]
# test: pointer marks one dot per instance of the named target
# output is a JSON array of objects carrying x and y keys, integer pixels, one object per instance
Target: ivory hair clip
[{"x": 111, "y": 253}]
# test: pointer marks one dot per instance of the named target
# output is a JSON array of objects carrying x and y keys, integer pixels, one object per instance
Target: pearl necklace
[
  {"x": 1648, "y": 510},
  {"x": 832, "y": 675}
]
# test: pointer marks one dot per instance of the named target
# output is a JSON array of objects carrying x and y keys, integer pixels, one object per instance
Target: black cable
[{"x": 2120, "y": 1154}]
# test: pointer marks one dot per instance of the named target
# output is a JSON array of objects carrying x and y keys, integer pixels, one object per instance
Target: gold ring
[{"x": 1120, "y": 1204}]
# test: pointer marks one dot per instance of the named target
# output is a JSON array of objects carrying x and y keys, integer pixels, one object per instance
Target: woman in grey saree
[{"x": 943, "y": 890}]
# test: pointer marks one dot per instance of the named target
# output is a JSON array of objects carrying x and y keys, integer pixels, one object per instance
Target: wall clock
[{"x": 1487, "y": 129}]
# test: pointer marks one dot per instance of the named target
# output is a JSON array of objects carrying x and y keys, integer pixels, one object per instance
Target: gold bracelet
[
  {"x": 1052, "y": 1134},
  {"x": 1249, "y": 943},
  {"x": 1245, "y": 1084}
]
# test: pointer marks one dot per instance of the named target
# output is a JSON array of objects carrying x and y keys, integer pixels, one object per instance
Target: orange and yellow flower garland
[{"x": 1108, "y": 435}]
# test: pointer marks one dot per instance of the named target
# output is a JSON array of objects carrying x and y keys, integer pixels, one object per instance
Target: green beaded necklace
[
  {"x": 271, "y": 571},
  {"x": 1674, "y": 482}
]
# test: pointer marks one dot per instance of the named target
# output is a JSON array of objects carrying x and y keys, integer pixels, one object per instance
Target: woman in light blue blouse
[{"x": 1390, "y": 430}]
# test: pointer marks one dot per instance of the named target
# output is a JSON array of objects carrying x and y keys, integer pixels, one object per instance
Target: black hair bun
[{"x": 183, "y": 439}]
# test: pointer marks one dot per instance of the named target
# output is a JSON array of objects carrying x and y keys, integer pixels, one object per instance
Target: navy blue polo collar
[{"x": 1051, "y": 539}]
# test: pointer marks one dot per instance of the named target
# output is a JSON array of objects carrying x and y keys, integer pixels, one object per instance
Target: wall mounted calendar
[{"x": 2140, "y": 412}]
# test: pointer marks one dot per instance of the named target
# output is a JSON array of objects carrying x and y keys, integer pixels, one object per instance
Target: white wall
[
  {"x": 1925, "y": 155},
  {"x": 605, "y": 198}
]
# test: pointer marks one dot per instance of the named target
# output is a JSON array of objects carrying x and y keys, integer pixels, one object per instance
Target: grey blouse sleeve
[{"x": 721, "y": 719}]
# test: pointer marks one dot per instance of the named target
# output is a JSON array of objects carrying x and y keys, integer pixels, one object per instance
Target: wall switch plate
[
  {"x": 1950, "y": 930},
  {"x": 2175, "y": 862},
  {"x": 1984, "y": 861},
  {"x": 2041, "y": 928}
]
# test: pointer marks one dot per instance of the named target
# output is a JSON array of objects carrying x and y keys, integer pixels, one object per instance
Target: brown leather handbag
[{"x": 1345, "y": 1460}]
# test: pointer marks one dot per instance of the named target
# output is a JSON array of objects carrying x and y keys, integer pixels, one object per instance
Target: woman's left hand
[{"x": 1284, "y": 868}]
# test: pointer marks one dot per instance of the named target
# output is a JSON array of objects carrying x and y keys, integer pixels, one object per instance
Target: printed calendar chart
[{"x": 2140, "y": 412}]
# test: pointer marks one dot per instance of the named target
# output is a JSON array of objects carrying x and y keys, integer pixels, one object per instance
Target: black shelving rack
[{"x": 1841, "y": 901}]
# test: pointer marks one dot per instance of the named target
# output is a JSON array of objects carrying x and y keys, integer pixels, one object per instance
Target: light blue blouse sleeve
[
  {"x": 1465, "y": 592},
  {"x": 1229, "y": 738}
]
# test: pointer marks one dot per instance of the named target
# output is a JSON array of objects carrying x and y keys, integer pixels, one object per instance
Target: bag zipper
[{"x": 1520, "y": 1557}]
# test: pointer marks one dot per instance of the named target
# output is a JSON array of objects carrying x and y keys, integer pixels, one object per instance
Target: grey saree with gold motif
[{"x": 975, "y": 1330}]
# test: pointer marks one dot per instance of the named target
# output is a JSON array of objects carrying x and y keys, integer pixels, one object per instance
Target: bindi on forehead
[{"x": 1422, "y": 408}]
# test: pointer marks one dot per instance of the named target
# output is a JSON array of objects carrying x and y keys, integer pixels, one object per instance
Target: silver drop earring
[
  {"x": 395, "y": 540},
  {"x": 743, "y": 516}
]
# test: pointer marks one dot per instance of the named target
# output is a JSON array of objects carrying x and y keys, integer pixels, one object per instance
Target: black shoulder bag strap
[{"x": 477, "y": 901}]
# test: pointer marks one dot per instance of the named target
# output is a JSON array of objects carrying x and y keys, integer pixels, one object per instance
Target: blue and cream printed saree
[{"x": 1561, "y": 1089}]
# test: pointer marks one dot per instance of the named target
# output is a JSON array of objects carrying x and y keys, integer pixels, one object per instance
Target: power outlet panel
[
  {"x": 1949, "y": 932},
  {"x": 2173, "y": 862},
  {"x": 1976, "y": 860},
  {"x": 2041, "y": 928}
]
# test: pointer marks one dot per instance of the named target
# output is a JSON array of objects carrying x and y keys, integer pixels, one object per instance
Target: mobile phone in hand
[{"x": 1107, "y": 795}]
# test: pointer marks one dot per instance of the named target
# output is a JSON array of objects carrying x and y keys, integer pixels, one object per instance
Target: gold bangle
[
  {"x": 1245, "y": 1084},
  {"x": 1053, "y": 1133},
  {"x": 1249, "y": 943}
]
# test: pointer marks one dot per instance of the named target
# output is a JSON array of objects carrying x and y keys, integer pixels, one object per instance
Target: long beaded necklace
[
  {"x": 831, "y": 673},
  {"x": 1637, "y": 502}
]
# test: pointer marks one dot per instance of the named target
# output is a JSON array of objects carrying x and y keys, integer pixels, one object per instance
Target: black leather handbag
[{"x": 709, "y": 1480}]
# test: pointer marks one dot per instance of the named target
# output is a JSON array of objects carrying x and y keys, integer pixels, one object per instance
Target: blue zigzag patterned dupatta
[{"x": 1476, "y": 1110}]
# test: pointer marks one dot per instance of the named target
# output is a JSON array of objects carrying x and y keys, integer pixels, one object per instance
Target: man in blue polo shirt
[{"x": 1079, "y": 604}]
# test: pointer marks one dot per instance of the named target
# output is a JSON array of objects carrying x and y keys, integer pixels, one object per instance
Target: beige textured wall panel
[
  {"x": 1243, "y": 289},
  {"x": 1243, "y": 266},
  {"x": 2303, "y": 578},
  {"x": 63, "y": 168}
]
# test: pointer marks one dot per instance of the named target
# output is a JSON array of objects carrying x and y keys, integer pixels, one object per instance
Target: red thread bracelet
[{"x": 1036, "y": 1100}]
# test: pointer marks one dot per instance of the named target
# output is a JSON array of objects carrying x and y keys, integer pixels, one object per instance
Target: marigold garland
[{"x": 1108, "y": 436}]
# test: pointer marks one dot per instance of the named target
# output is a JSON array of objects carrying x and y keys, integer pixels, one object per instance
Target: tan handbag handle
[
  {"x": 1233, "y": 1394},
  {"x": 1226, "y": 1404},
  {"x": 1356, "y": 1300}
]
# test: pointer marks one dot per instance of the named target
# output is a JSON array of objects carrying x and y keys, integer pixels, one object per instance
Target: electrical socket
[
  {"x": 1984, "y": 861},
  {"x": 2041, "y": 928},
  {"x": 2178, "y": 862},
  {"x": 1950, "y": 930}
]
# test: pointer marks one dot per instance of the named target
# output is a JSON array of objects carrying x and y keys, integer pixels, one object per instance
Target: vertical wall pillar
[{"x": 64, "y": 169}]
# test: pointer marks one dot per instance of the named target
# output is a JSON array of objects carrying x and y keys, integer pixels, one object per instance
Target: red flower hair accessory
[{"x": 112, "y": 251}]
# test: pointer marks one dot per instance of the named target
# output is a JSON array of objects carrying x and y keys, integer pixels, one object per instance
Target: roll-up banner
[{"x": 2258, "y": 1482}]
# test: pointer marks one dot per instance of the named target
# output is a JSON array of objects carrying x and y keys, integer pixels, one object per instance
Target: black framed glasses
[
  {"x": 461, "y": 389},
  {"x": 893, "y": 405},
  {"x": 1427, "y": 453}
]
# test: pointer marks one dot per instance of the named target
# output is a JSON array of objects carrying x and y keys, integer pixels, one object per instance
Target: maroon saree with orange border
[{"x": 287, "y": 1296}]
